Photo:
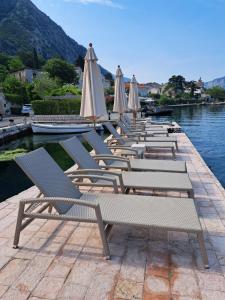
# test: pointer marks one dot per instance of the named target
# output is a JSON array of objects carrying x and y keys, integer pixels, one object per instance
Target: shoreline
[{"x": 195, "y": 104}]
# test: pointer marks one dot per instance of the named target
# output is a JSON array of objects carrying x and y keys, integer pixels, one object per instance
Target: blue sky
[{"x": 152, "y": 39}]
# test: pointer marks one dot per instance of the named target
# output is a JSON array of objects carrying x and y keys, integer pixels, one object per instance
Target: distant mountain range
[
  {"x": 24, "y": 27},
  {"x": 216, "y": 82}
]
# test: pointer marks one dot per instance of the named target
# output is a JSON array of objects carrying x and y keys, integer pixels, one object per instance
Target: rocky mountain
[
  {"x": 24, "y": 27},
  {"x": 216, "y": 82}
]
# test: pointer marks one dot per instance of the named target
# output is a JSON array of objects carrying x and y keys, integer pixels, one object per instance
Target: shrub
[
  {"x": 66, "y": 89},
  {"x": 56, "y": 107}
]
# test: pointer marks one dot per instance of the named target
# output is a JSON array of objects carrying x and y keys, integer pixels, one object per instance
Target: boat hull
[
  {"x": 63, "y": 129},
  {"x": 159, "y": 113}
]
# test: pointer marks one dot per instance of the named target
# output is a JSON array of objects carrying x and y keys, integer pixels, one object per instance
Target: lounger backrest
[
  {"x": 113, "y": 131},
  {"x": 127, "y": 119},
  {"x": 123, "y": 127},
  {"x": 79, "y": 154},
  {"x": 44, "y": 172},
  {"x": 97, "y": 144}
]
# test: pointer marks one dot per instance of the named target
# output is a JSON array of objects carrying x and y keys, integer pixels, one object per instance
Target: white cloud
[{"x": 109, "y": 3}]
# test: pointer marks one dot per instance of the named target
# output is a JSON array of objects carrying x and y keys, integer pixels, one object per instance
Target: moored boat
[
  {"x": 63, "y": 128},
  {"x": 158, "y": 111}
]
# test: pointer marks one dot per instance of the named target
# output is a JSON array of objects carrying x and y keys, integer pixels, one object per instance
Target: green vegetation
[
  {"x": 11, "y": 154},
  {"x": 80, "y": 62},
  {"x": 60, "y": 70},
  {"x": 43, "y": 85},
  {"x": 217, "y": 93},
  {"x": 66, "y": 89},
  {"x": 56, "y": 79},
  {"x": 56, "y": 107}
]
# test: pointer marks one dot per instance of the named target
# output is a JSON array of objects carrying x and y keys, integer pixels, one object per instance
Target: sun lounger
[
  {"x": 160, "y": 181},
  {"x": 165, "y": 142},
  {"x": 147, "y": 132},
  {"x": 104, "y": 153},
  {"x": 106, "y": 210}
]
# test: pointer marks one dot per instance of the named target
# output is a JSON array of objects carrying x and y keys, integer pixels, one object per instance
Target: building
[
  {"x": 145, "y": 89},
  {"x": 26, "y": 74},
  {"x": 79, "y": 72},
  {"x": 4, "y": 106}
]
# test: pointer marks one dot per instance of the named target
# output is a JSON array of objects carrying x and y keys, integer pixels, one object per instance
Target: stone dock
[
  {"x": 63, "y": 260},
  {"x": 12, "y": 132}
]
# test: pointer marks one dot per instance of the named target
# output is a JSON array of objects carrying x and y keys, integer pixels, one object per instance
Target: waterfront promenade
[{"x": 64, "y": 260}]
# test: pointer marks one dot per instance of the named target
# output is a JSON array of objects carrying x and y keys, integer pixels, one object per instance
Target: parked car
[{"x": 27, "y": 110}]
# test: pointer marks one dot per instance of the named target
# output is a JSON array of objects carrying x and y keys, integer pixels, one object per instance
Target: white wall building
[{"x": 26, "y": 74}]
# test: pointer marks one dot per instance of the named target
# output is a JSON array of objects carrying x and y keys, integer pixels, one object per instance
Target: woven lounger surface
[
  {"x": 153, "y": 165},
  {"x": 156, "y": 180},
  {"x": 161, "y": 212}
]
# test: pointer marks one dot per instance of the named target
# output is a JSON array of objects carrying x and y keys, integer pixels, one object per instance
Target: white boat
[{"x": 63, "y": 128}]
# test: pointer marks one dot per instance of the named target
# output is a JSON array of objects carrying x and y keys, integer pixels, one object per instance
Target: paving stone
[
  {"x": 128, "y": 290},
  {"x": 218, "y": 243},
  {"x": 58, "y": 269},
  {"x": 212, "y": 295},
  {"x": 72, "y": 292},
  {"x": 18, "y": 294},
  {"x": 211, "y": 281},
  {"x": 133, "y": 265},
  {"x": 33, "y": 273},
  {"x": 101, "y": 286},
  {"x": 3, "y": 289},
  {"x": 12, "y": 270},
  {"x": 48, "y": 287},
  {"x": 157, "y": 285},
  {"x": 184, "y": 285}
]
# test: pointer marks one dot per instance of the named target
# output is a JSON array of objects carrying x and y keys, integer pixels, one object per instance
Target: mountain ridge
[
  {"x": 23, "y": 26},
  {"x": 215, "y": 82}
]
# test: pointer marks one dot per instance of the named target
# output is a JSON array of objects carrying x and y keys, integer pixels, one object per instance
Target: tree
[
  {"x": 3, "y": 73},
  {"x": 43, "y": 85},
  {"x": 108, "y": 76},
  {"x": 217, "y": 93},
  {"x": 15, "y": 64},
  {"x": 14, "y": 87},
  {"x": 4, "y": 59},
  {"x": 29, "y": 60},
  {"x": 60, "y": 70},
  {"x": 177, "y": 83},
  {"x": 80, "y": 62},
  {"x": 35, "y": 59}
]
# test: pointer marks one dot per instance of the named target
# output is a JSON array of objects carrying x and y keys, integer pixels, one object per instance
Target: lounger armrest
[
  {"x": 113, "y": 157},
  {"x": 55, "y": 200},
  {"x": 101, "y": 172},
  {"x": 132, "y": 151},
  {"x": 99, "y": 177}
]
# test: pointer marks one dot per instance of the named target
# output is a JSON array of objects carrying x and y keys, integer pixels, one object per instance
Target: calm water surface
[
  {"x": 204, "y": 125},
  {"x": 12, "y": 178}
]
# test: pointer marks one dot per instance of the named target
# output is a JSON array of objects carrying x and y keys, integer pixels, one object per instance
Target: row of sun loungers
[{"x": 61, "y": 198}]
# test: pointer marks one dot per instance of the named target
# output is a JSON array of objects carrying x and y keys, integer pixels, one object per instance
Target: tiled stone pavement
[{"x": 63, "y": 260}]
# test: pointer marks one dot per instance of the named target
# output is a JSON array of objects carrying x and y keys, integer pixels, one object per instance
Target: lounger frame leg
[
  {"x": 102, "y": 232},
  {"x": 203, "y": 249},
  {"x": 18, "y": 225},
  {"x": 173, "y": 153},
  {"x": 191, "y": 194}
]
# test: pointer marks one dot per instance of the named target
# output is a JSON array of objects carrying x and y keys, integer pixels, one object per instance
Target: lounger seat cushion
[{"x": 159, "y": 212}]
